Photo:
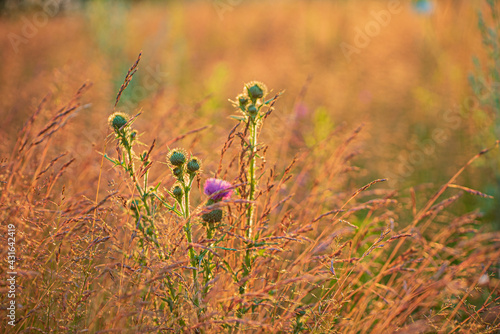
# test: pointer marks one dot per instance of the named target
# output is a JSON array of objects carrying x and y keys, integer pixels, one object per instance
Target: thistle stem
[
  {"x": 251, "y": 196},
  {"x": 189, "y": 237},
  {"x": 251, "y": 176},
  {"x": 208, "y": 274}
]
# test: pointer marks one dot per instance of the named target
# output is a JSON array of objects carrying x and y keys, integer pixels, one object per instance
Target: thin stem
[
  {"x": 247, "y": 262},
  {"x": 171, "y": 208},
  {"x": 189, "y": 236},
  {"x": 251, "y": 176},
  {"x": 208, "y": 274},
  {"x": 143, "y": 192}
]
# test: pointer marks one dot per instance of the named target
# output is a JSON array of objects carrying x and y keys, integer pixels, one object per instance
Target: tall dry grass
[
  {"x": 349, "y": 254},
  {"x": 340, "y": 261}
]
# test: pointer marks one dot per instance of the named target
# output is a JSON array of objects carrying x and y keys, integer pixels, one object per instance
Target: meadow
[{"x": 250, "y": 166}]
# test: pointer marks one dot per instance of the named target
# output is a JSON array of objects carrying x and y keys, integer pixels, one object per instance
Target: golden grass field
[{"x": 376, "y": 207}]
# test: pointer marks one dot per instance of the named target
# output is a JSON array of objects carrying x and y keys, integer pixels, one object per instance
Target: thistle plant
[
  {"x": 185, "y": 172},
  {"x": 146, "y": 206},
  {"x": 148, "y": 202},
  {"x": 254, "y": 108}
]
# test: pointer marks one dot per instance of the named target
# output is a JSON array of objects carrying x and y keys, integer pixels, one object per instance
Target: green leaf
[
  {"x": 116, "y": 162},
  {"x": 238, "y": 118},
  {"x": 156, "y": 187},
  {"x": 225, "y": 248},
  {"x": 271, "y": 100}
]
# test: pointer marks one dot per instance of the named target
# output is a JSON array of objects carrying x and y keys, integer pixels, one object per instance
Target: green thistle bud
[
  {"x": 117, "y": 120},
  {"x": 177, "y": 157},
  {"x": 133, "y": 135},
  {"x": 193, "y": 165},
  {"x": 213, "y": 216},
  {"x": 252, "y": 110},
  {"x": 177, "y": 192},
  {"x": 256, "y": 90},
  {"x": 243, "y": 100},
  {"x": 177, "y": 171}
]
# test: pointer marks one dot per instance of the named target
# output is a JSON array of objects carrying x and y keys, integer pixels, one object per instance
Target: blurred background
[{"x": 402, "y": 68}]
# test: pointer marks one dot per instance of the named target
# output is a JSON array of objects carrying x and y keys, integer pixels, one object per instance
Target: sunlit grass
[{"x": 355, "y": 211}]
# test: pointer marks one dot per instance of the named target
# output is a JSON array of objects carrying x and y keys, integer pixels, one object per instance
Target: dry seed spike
[
  {"x": 227, "y": 144},
  {"x": 187, "y": 134},
  {"x": 50, "y": 164},
  {"x": 128, "y": 78},
  {"x": 470, "y": 191}
]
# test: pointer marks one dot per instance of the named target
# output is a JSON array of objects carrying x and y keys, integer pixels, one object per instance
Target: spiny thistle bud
[
  {"x": 117, "y": 120},
  {"x": 177, "y": 171},
  {"x": 193, "y": 165},
  {"x": 242, "y": 100},
  {"x": 177, "y": 157},
  {"x": 177, "y": 192},
  {"x": 252, "y": 110},
  {"x": 133, "y": 135},
  {"x": 213, "y": 216},
  {"x": 256, "y": 90}
]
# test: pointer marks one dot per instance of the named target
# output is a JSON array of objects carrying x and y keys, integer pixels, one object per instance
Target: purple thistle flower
[{"x": 217, "y": 185}]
